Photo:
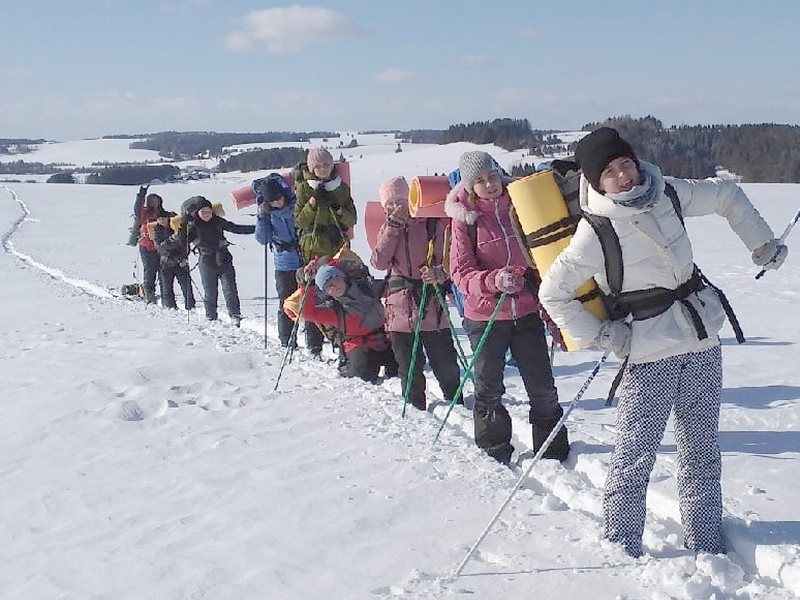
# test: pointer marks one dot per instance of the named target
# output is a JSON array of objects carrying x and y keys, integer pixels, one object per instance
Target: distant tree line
[
  {"x": 134, "y": 175},
  {"x": 765, "y": 152},
  {"x": 509, "y": 134},
  {"x": 20, "y": 167},
  {"x": 193, "y": 144},
  {"x": 256, "y": 160},
  {"x": 20, "y": 145}
]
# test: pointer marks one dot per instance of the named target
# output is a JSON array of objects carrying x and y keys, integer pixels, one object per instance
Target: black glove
[
  {"x": 142, "y": 191},
  {"x": 322, "y": 196}
]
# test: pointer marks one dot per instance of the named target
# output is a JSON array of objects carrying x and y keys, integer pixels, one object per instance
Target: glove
[
  {"x": 263, "y": 207},
  {"x": 509, "y": 280},
  {"x": 615, "y": 336},
  {"x": 142, "y": 191},
  {"x": 398, "y": 216},
  {"x": 770, "y": 256},
  {"x": 434, "y": 274}
]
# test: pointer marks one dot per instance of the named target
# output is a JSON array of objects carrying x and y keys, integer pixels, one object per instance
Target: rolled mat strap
[
  {"x": 590, "y": 295},
  {"x": 569, "y": 222}
]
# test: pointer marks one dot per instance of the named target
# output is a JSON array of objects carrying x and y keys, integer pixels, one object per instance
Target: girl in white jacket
[{"x": 673, "y": 352}]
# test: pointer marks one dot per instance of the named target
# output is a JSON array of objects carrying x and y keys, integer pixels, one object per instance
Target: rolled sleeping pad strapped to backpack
[
  {"x": 176, "y": 221},
  {"x": 245, "y": 196},
  {"x": 426, "y": 196},
  {"x": 548, "y": 227},
  {"x": 374, "y": 217}
]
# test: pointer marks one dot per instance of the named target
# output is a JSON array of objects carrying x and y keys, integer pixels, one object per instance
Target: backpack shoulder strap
[
  {"x": 612, "y": 251},
  {"x": 472, "y": 231},
  {"x": 431, "y": 224},
  {"x": 672, "y": 194}
]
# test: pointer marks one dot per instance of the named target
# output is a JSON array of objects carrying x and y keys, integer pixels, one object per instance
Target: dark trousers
[
  {"x": 211, "y": 274},
  {"x": 366, "y": 363},
  {"x": 169, "y": 273},
  {"x": 441, "y": 354},
  {"x": 314, "y": 338},
  {"x": 151, "y": 265},
  {"x": 286, "y": 285},
  {"x": 525, "y": 338}
]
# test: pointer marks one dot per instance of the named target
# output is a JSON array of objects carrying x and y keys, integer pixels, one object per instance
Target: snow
[{"x": 143, "y": 452}]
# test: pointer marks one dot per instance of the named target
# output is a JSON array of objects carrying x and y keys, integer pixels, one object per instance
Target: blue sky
[{"x": 89, "y": 68}]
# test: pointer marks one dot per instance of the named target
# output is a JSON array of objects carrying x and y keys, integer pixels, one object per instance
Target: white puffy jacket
[{"x": 656, "y": 252}]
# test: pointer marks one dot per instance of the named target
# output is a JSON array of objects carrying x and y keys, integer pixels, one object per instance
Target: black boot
[
  {"x": 493, "y": 431},
  {"x": 559, "y": 447}
]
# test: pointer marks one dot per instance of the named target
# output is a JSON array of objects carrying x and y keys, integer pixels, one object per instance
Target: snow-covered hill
[{"x": 144, "y": 454}]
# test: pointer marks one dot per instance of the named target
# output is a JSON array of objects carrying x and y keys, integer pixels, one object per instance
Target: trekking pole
[
  {"x": 266, "y": 284},
  {"x": 415, "y": 346},
  {"x": 781, "y": 239},
  {"x": 536, "y": 458},
  {"x": 462, "y": 358},
  {"x": 475, "y": 354},
  {"x": 287, "y": 356}
]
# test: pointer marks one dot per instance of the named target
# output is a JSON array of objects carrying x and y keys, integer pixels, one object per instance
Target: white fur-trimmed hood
[{"x": 455, "y": 207}]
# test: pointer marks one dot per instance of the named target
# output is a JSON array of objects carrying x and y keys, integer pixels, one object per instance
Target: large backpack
[{"x": 259, "y": 186}]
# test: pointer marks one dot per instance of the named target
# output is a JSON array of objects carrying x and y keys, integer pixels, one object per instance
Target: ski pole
[
  {"x": 536, "y": 458},
  {"x": 415, "y": 346},
  {"x": 287, "y": 356},
  {"x": 475, "y": 354},
  {"x": 781, "y": 239},
  {"x": 462, "y": 358},
  {"x": 266, "y": 285}
]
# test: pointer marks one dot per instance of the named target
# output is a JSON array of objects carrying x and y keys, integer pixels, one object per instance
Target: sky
[
  {"x": 144, "y": 455},
  {"x": 85, "y": 68}
]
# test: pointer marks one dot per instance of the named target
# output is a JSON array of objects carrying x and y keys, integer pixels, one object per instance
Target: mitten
[
  {"x": 615, "y": 336},
  {"x": 509, "y": 280},
  {"x": 434, "y": 274},
  {"x": 770, "y": 256}
]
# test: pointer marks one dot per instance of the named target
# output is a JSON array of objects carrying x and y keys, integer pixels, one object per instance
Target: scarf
[{"x": 641, "y": 196}]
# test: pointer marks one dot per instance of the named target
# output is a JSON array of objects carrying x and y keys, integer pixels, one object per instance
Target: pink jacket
[
  {"x": 401, "y": 252},
  {"x": 473, "y": 272}
]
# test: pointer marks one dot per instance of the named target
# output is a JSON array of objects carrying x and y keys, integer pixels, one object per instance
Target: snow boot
[{"x": 559, "y": 447}]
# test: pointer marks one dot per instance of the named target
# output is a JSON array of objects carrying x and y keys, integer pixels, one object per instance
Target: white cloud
[
  {"x": 290, "y": 29},
  {"x": 392, "y": 75}
]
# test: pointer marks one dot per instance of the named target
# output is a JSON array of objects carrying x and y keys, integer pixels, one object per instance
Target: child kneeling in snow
[
  {"x": 674, "y": 360},
  {"x": 341, "y": 296}
]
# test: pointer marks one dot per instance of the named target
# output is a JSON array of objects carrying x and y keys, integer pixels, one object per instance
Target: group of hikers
[{"x": 664, "y": 325}]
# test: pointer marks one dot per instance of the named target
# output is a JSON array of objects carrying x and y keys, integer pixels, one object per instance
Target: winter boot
[
  {"x": 493, "y": 431},
  {"x": 559, "y": 447}
]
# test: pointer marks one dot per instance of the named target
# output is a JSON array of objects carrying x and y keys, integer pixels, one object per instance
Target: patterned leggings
[{"x": 690, "y": 384}]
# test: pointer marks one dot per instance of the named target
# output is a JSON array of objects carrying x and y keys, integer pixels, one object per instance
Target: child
[
  {"x": 484, "y": 263},
  {"x": 147, "y": 248},
  {"x": 674, "y": 357},
  {"x": 174, "y": 262},
  {"x": 207, "y": 231},
  {"x": 402, "y": 249},
  {"x": 341, "y": 296},
  {"x": 275, "y": 228},
  {"x": 323, "y": 214}
]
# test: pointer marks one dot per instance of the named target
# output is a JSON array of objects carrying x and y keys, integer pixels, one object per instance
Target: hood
[{"x": 455, "y": 205}]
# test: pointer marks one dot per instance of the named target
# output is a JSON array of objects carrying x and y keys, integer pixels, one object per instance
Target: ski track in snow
[{"x": 552, "y": 488}]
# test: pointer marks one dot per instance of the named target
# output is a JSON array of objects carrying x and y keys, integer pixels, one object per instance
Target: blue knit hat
[{"x": 325, "y": 273}]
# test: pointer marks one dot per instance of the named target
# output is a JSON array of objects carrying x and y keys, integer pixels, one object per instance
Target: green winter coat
[{"x": 323, "y": 227}]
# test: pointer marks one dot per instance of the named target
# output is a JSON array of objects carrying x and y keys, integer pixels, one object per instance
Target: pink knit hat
[
  {"x": 393, "y": 189},
  {"x": 318, "y": 157}
]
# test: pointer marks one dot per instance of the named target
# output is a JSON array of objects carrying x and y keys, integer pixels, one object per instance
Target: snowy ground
[{"x": 143, "y": 453}]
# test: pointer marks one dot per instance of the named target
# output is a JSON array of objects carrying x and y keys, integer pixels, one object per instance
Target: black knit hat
[{"x": 599, "y": 148}]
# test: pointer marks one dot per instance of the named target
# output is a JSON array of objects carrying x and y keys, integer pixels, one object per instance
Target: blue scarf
[{"x": 641, "y": 196}]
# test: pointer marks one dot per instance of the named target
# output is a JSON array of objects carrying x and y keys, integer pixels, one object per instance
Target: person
[
  {"x": 324, "y": 213},
  {"x": 486, "y": 260},
  {"x": 402, "y": 250},
  {"x": 275, "y": 229},
  {"x": 341, "y": 296},
  {"x": 673, "y": 348},
  {"x": 174, "y": 262},
  {"x": 207, "y": 231},
  {"x": 147, "y": 211}
]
